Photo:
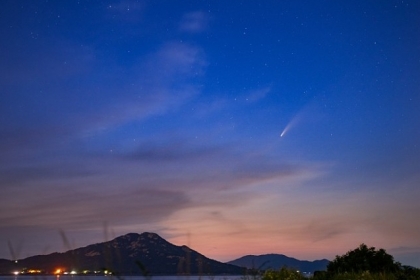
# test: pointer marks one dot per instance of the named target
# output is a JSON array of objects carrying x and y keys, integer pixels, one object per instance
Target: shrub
[{"x": 282, "y": 274}]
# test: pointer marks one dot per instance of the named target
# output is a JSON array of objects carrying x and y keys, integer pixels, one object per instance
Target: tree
[
  {"x": 409, "y": 273},
  {"x": 364, "y": 259}
]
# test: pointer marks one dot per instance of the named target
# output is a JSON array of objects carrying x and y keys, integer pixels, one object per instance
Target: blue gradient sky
[{"x": 167, "y": 116}]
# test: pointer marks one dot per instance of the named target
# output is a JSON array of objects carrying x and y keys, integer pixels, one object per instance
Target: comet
[
  {"x": 285, "y": 130},
  {"x": 291, "y": 124}
]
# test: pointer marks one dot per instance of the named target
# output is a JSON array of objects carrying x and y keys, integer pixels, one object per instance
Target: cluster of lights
[
  {"x": 28, "y": 271},
  {"x": 59, "y": 271}
]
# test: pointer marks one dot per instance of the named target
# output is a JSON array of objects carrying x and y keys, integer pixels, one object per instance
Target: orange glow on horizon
[{"x": 32, "y": 271}]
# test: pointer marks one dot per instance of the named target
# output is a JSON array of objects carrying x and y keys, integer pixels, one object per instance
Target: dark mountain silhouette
[
  {"x": 131, "y": 254},
  {"x": 276, "y": 261},
  {"x": 6, "y": 266}
]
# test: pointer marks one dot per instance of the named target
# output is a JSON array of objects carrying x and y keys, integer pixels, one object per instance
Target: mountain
[
  {"x": 6, "y": 266},
  {"x": 276, "y": 261},
  {"x": 130, "y": 254}
]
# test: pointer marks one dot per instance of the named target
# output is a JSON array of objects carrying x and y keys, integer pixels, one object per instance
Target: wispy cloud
[
  {"x": 194, "y": 22},
  {"x": 323, "y": 230},
  {"x": 74, "y": 209},
  {"x": 258, "y": 94},
  {"x": 161, "y": 82},
  {"x": 19, "y": 175},
  {"x": 174, "y": 152},
  {"x": 165, "y": 80},
  {"x": 47, "y": 62}
]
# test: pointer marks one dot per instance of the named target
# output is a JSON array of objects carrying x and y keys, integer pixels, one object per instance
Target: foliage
[
  {"x": 365, "y": 263},
  {"x": 405, "y": 274},
  {"x": 356, "y": 276},
  {"x": 364, "y": 259},
  {"x": 282, "y": 274},
  {"x": 408, "y": 273}
]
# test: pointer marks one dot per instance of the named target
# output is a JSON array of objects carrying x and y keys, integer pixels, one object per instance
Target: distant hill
[
  {"x": 6, "y": 266},
  {"x": 276, "y": 261},
  {"x": 131, "y": 254}
]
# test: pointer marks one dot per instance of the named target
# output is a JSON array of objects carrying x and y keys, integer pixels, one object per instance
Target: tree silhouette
[{"x": 364, "y": 259}]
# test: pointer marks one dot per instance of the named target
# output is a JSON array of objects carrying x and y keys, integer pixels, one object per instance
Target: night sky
[{"x": 233, "y": 127}]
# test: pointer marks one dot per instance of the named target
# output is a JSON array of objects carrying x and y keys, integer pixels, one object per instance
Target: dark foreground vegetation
[{"x": 362, "y": 263}]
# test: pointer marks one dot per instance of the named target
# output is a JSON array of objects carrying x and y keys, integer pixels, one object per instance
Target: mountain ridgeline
[
  {"x": 276, "y": 261},
  {"x": 130, "y": 254},
  {"x": 148, "y": 254}
]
